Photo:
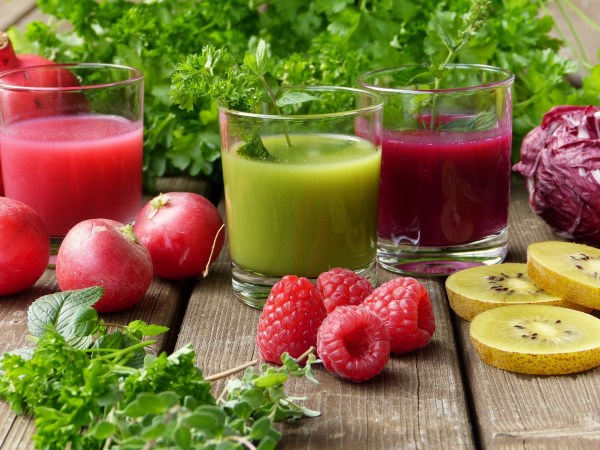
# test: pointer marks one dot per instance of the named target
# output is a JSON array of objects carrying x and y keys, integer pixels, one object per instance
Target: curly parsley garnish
[{"x": 215, "y": 74}]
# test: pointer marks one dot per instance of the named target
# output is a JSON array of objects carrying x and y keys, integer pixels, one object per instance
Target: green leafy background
[{"x": 329, "y": 42}]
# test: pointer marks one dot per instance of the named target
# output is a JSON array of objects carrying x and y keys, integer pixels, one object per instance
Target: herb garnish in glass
[
  {"x": 446, "y": 161},
  {"x": 301, "y": 169}
]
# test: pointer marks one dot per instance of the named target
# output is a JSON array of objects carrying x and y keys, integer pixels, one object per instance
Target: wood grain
[
  {"x": 15, "y": 11},
  {"x": 515, "y": 411},
  {"x": 417, "y": 402}
]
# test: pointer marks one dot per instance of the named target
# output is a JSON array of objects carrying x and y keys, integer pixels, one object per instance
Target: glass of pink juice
[
  {"x": 301, "y": 188},
  {"x": 71, "y": 142},
  {"x": 445, "y": 176}
]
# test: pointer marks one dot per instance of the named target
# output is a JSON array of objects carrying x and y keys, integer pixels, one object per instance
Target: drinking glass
[
  {"x": 71, "y": 142},
  {"x": 301, "y": 187},
  {"x": 446, "y": 162}
]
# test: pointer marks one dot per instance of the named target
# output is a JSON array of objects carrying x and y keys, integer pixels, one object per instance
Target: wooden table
[{"x": 441, "y": 396}]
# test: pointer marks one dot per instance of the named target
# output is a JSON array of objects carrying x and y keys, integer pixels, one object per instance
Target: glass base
[
  {"x": 441, "y": 261},
  {"x": 253, "y": 288}
]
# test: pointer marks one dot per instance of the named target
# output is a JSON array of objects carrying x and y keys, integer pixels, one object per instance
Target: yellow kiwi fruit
[
  {"x": 477, "y": 289},
  {"x": 566, "y": 269},
  {"x": 537, "y": 339}
]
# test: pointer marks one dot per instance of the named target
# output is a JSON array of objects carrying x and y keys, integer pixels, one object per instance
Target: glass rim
[
  {"x": 508, "y": 79},
  {"x": 136, "y": 76},
  {"x": 378, "y": 102}
]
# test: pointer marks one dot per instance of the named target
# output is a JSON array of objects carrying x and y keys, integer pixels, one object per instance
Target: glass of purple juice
[{"x": 445, "y": 174}]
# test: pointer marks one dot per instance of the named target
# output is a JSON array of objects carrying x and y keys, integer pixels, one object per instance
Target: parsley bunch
[
  {"x": 326, "y": 42},
  {"x": 92, "y": 385}
]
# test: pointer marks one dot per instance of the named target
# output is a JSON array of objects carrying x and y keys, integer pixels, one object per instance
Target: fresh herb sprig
[
  {"x": 472, "y": 22},
  {"x": 216, "y": 75},
  {"x": 92, "y": 385}
]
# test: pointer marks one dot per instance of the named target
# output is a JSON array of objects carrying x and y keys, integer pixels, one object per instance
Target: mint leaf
[
  {"x": 61, "y": 310},
  {"x": 84, "y": 322},
  {"x": 483, "y": 121},
  {"x": 255, "y": 149},
  {"x": 95, "y": 402},
  {"x": 141, "y": 328},
  {"x": 262, "y": 58},
  {"x": 118, "y": 340},
  {"x": 294, "y": 98}
]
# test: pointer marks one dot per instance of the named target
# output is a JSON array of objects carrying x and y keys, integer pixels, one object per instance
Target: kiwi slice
[
  {"x": 537, "y": 339},
  {"x": 566, "y": 269},
  {"x": 477, "y": 289}
]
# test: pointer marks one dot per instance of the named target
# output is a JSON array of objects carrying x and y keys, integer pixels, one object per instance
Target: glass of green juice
[{"x": 301, "y": 186}]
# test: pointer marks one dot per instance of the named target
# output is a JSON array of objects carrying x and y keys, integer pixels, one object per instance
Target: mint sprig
[
  {"x": 255, "y": 149},
  {"x": 485, "y": 120},
  {"x": 472, "y": 23}
]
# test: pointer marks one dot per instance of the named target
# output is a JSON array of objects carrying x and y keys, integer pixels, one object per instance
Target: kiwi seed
[
  {"x": 537, "y": 339},
  {"x": 566, "y": 269},
  {"x": 476, "y": 289}
]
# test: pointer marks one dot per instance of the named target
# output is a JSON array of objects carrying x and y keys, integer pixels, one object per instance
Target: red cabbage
[{"x": 561, "y": 162}]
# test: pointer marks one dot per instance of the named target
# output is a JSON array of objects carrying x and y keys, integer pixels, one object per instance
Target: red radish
[
  {"x": 18, "y": 104},
  {"x": 21, "y": 105},
  {"x": 10, "y": 60},
  {"x": 183, "y": 232},
  {"x": 24, "y": 246},
  {"x": 103, "y": 252}
]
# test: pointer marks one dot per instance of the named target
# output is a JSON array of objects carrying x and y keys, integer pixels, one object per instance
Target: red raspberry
[
  {"x": 353, "y": 343},
  {"x": 290, "y": 319},
  {"x": 404, "y": 305},
  {"x": 342, "y": 287}
]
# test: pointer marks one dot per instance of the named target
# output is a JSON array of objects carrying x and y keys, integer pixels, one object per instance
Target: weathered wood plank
[
  {"x": 516, "y": 411},
  {"x": 417, "y": 402},
  {"x": 13, "y": 11}
]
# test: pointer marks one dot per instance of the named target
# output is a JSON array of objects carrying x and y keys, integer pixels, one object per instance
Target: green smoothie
[{"x": 312, "y": 209}]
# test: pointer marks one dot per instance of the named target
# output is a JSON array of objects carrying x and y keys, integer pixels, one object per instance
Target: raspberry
[
  {"x": 404, "y": 305},
  {"x": 290, "y": 319},
  {"x": 353, "y": 343},
  {"x": 342, "y": 287}
]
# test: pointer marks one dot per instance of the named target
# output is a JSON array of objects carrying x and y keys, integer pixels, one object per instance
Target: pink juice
[
  {"x": 442, "y": 188},
  {"x": 72, "y": 168}
]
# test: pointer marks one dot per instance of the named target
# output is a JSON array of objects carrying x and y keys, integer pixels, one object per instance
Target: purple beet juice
[{"x": 444, "y": 188}]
